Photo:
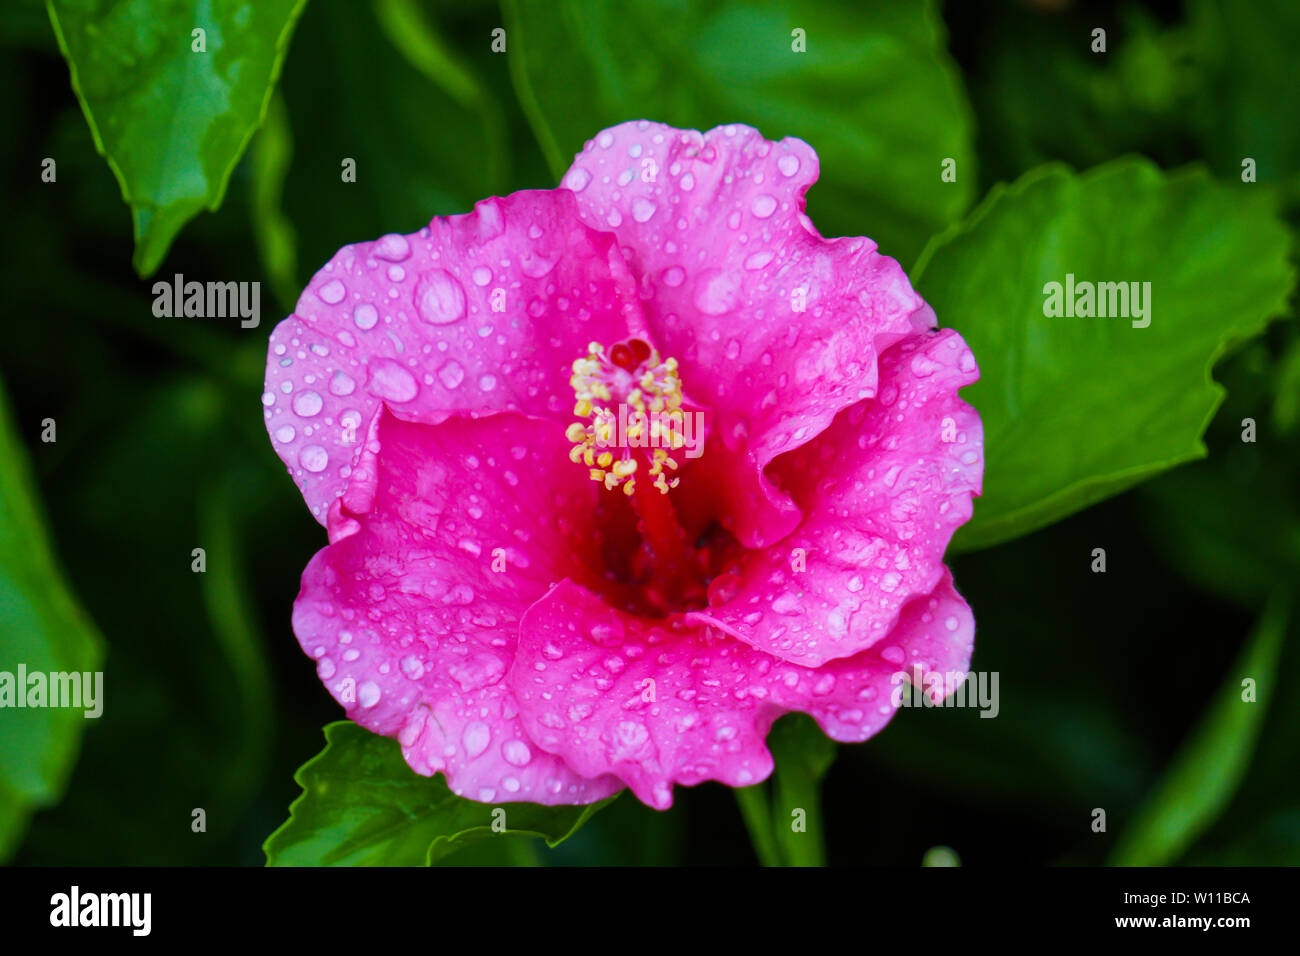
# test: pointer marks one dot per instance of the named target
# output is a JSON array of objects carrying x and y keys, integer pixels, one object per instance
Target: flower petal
[
  {"x": 882, "y": 491},
  {"x": 658, "y": 705},
  {"x": 413, "y": 618},
  {"x": 475, "y": 314},
  {"x": 775, "y": 328}
]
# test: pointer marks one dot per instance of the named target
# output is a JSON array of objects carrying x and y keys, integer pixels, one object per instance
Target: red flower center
[{"x": 634, "y": 401}]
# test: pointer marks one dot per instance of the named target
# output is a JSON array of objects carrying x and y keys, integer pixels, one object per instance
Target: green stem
[
  {"x": 803, "y": 755},
  {"x": 806, "y": 846},
  {"x": 758, "y": 820}
]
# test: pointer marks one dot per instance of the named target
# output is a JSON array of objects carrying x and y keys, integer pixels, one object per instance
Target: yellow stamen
[{"x": 647, "y": 391}]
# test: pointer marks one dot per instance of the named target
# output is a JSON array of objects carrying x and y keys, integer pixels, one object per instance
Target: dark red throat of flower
[{"x": 631, "y": 401}]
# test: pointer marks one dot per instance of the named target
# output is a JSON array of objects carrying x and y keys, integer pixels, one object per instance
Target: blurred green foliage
[
  {"x": 1108, "y": 682},
  {"x": 44, "y": 632}
]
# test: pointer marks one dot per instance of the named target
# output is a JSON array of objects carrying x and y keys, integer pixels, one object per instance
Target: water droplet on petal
[
  {"x": 342, "y": 384},
  {"x": 716, "y": 292},
  {"x": 393, "y": 247},
  {"x": 391, "y": 382},
  {"x": 451, "y": 374},
  {"x": 365, "y": 316},
  {"x": 440, "y": 298},
  {"x": 536, "y": 266},
  {"x": 786, "y": 603},
  {"x": 516, "y": 753},
  {"x": 313, "y": 458},
  {"x": 332, "y": 292},
  {"x": 476, "y": 738},
  {"x": 307, "y": 404},
  {"x": 642, "y": 209}
]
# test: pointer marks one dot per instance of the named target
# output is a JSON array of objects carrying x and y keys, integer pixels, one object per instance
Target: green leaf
[
  {"x": 875, "y": 94},
  {"x": 363, "y": 806},
  {"x": 1078, "y": 409},
  {"x": 172, "y": 121},
  {"x": 43, "y": 629},
  {"x": 1209, "y": 766}
]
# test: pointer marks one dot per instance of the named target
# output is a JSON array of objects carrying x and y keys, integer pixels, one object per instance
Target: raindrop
[
  {"x": 642, "y": 209},
  {"x": 716, "y": 292},
  {"x": 476, "y": 738},
  {"x": 342, "y": 384},
  {"x": 451, "y": 374},
  {"x": 516, "y": 753},
  {"x": 440, "y": 298},
  {"x": 313, "y": 458},
  {"x": 392, "y": 247},
  {"x": 391, "y": 382},
  {"x": 307, "y": 404},
  {"x": 365, "y": 316},
  {"x": 332, "y": 292},
  {"x": 368, "y": 694}
]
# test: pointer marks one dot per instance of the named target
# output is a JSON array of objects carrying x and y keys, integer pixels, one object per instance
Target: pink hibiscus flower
[{"x": 768, "y": 538}]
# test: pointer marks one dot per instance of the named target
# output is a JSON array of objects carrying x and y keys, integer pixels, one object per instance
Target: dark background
[{"x": 161, "y": 449}]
